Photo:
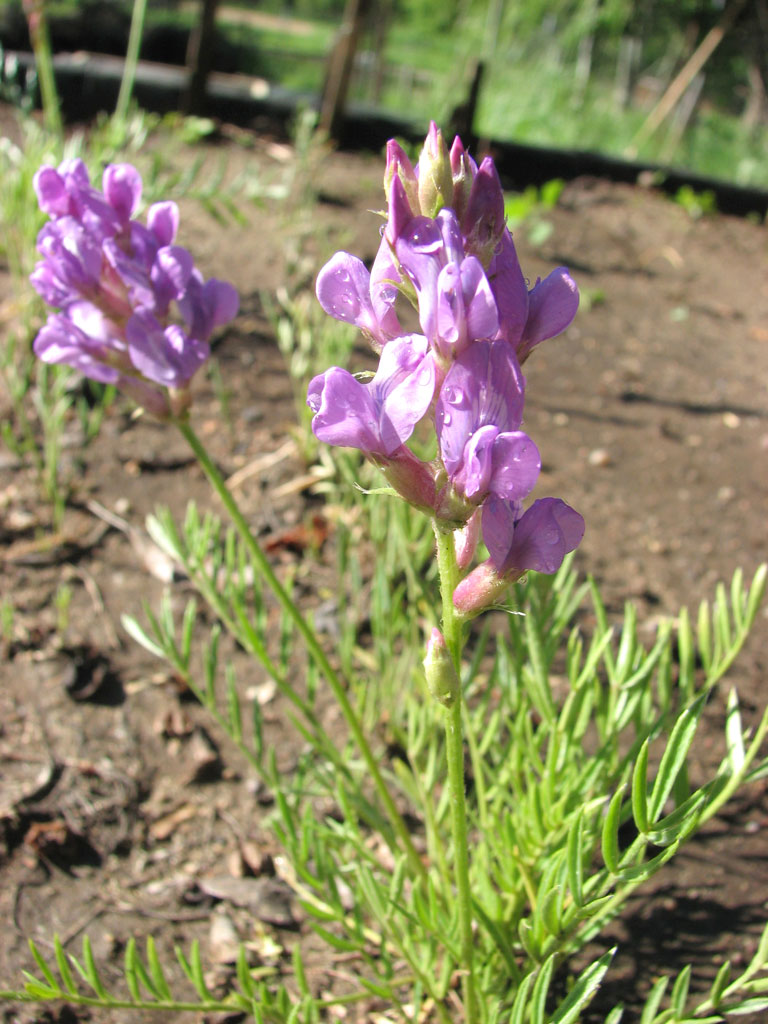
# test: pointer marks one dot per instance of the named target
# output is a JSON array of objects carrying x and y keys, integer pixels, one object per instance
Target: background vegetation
[{"x": 572, "y": 73}]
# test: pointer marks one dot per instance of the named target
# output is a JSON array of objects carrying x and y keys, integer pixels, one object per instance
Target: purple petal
[
  {"x": 163, "y": 221},
  {"x": 51, "y": 191},
  {"x": 121, "y": 184},
  {"x": 344, "y": 290},
  {"x": 222, "y": 301},
  {"x": 552, "y": 305},
  {"x": 345, "y": 413},
  {"x": 516, "y": 466},
  {"x": 484, "y": 386},
  {"x": 402, "y": 388},
  {"x": 60, "y": 341},
  {"x": 384, "y": 292},
  {"x": 539, "y": 540},
  {"x": 170, "y": 274},
  {"x": 168, "y": 357},
  {"x": 510, "y": 291}
]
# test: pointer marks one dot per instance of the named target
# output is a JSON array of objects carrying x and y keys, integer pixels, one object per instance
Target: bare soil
[{"x": 124, "y": 812}]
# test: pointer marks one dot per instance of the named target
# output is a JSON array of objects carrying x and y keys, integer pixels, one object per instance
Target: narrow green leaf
[
  {"x": 704, "y": 636},
  {"x": 244, "y": 979},
  {"x": 610, "y": 836},
  {"x": 134, "y": 630},
  {"x": 37, "y": 990},
  {"x": 680, "y": 988},
  {"x": 614, "y": 1017},
  {"x": 233, "y": 706},
  {"x": 156, "y": 972},
  {"x": 574, "y": 859},
  {"x": 584, "y": 988},
  {"x": 674, "y": 756},
  {"x": 44, "y": 968},
  {"x": 748, "y": 1006},
  {"x": 653, "y": 1001},
  {"x": 91, "y": 972},
  {"x": 299, "y": 973},
  {"x": 640, "y": 789},
  {"x": 540, "y": 992},
  {"x": 756, "y": 593},
  {"x": 520, "y": 1004},
  {"x": 63, "y": 965},
  {"x": 130, "y": 972},
  {"x": 734, "y": 735},
  {"x": 720, "y": 983},
  {"x": 737, "y": 598},
  {"x": 685, "y": 654}
]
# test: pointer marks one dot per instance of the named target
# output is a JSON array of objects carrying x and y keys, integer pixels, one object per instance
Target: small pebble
[{"x": 600, "y": 457}]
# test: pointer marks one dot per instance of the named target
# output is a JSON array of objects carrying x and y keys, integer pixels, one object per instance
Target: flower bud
[
  {"x": 399, "y": 166},
  {"x": 435, "y": 175},
  {"x": 463, "y": 170},
  {"x": 484, "y": 220},
  {"x": 442, "y": 680},
  {"x": 465, "y": 540},
  {"x": 482, "y": 588}
]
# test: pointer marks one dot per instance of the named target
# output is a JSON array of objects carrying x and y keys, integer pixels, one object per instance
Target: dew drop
[
  {"x": 342, "y": 275},
  {"x": 453, "y": 395},
  {"x": 446, "y": 419}
]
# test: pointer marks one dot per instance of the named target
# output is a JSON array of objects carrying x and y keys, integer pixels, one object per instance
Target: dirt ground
[{"x": 124, "y": 812}]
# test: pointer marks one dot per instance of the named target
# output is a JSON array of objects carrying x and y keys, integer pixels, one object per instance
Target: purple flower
[
  {"x": 378, "y": 417},
  {"x": 538, "y": 540},
  {"x": 346, "y": 292},
  {"x": 477, "y": 417},
  {"x": 134, "y": 310},
  {"x": 526, "y": 318}
]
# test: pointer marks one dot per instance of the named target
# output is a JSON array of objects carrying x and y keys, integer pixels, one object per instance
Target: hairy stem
[{"x": 452, "y": 633}]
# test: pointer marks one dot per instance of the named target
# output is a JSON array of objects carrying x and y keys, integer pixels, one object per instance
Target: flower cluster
[
  {"x": 446, "y": 248},
  {"x": 133, "y": 309}
]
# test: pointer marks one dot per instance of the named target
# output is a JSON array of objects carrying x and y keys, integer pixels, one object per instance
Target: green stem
[
  {"x": 41, "y": 45},
  {"x": 454, "y": 752},
  {"x": 311, "y": 642},
  {"x": 131, "y": 59}
]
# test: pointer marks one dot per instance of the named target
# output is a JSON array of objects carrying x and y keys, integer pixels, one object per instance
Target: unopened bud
[
  {"x": 481, "y": 589},
  {"x": 442, "y": 680},
  {"x": 465, "y": 540},
  {"x": 435, "y": 175},
  {"x": 399, "y": 166},
  {"x": 483, "y": 220},
  {"x": 463, "y": 170}
]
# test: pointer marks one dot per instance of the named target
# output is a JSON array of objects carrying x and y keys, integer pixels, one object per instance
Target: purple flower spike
[
  {"x": 477, "y": 415},
  {"x": 134, "y": 310},
  {"x": 344, "y": 291},
  {"x": 379, "y": 417}
]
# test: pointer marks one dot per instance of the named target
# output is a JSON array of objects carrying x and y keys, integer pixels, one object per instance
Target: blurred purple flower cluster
[
  {"x": 133, "y": 309},
  {"x": 446, "y": 248}
]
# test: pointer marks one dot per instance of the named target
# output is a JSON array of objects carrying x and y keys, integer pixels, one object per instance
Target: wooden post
[
  {"x": 339, "y": 71},
  {"x": 200, "y": 58},
  {"x": 680, "y": 83}
]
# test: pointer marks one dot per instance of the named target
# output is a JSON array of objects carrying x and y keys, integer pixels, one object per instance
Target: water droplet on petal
[
  {"x": 342, "y": 276},
  {"x": 453, "y": 395},
  {"x": 446, "y": 419}
]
